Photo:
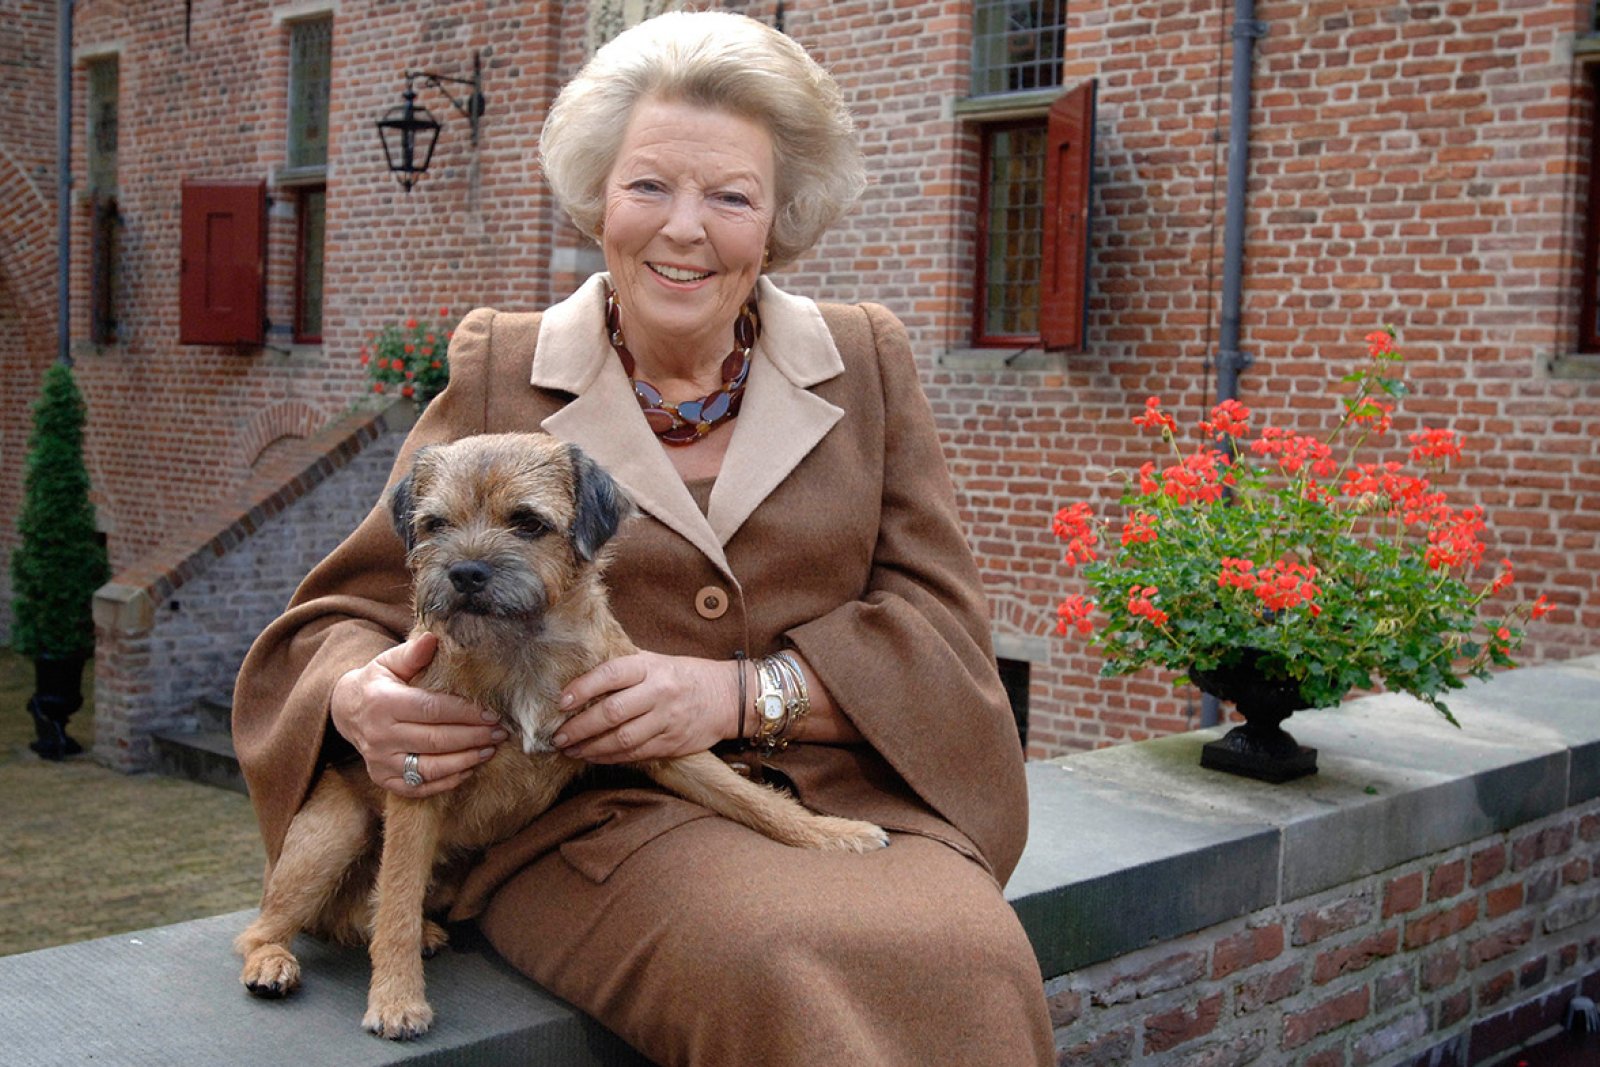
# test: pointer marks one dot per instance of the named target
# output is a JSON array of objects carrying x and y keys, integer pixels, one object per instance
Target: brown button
[{"x": 711, "y": 602}]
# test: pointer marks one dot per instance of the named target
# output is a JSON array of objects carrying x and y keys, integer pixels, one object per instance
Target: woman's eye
[
  {"x": 646, "y": 185},
  {"x": 733, "y": 199}
]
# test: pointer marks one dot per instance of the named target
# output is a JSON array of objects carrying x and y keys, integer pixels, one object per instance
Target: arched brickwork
[{"x": 290, "y": 418}]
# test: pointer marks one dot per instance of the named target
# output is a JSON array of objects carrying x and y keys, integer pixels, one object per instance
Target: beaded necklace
[{"x": 688, "y": 421}]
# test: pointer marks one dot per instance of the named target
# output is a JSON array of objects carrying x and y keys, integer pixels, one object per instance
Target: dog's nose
[{"x": 470, "y": 576}]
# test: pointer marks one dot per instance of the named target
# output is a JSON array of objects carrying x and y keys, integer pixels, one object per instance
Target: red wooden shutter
[
  {"x": 1068, "y": 167},
  {"x": 222, "y": 279}
]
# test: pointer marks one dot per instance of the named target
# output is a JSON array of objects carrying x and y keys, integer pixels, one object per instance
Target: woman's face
[{"x": 689, "y": 204}]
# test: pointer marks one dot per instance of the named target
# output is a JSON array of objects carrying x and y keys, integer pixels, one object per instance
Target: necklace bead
[{"x": 687, "y": 421}]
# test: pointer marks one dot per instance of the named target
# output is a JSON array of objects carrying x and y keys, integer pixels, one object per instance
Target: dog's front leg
[{"x": 397, "y": 1005}]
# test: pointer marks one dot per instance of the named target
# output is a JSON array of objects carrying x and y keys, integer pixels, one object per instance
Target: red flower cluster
[
  {"x": 1139, "y": 529},
  {"x": 1200, "y": 476},
  {"x": 1438, "y": 445},
  {"x": 1074, "y": 525},
  {"x": 1139, "y": 603},
  {"x": 1399, "y": 493},
  {"x": 1155, "y": 418},
  {"x": 1228, "y": 419},
  {"x": 1294, "y": 451},
  {"x": 1074, "y": 612},
  {"x": 1453, "y": 540},
  {"x": 1380, "y": 344},
  {"x": 1283, "y": 585}
]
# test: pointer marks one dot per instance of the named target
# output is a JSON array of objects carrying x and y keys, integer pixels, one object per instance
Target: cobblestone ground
[{"x": 86, "y": 851}]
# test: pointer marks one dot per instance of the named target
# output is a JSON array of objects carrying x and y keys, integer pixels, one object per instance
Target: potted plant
[
  {"x": 58, "y": 564},
  {"x": 410, "y": 359},
  {"x": 1281, "y": 570}
]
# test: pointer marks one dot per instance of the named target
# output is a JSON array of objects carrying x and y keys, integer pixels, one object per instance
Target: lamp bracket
[{"x": 472, "y": 105}]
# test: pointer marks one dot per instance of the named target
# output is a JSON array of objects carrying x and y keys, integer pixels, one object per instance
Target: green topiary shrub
[{"x": 60, "y": 561}]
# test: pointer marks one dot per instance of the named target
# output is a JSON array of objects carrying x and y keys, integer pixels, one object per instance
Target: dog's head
[{"x": 500, "y": 528}]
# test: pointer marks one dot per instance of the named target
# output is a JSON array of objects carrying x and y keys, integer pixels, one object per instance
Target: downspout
[
  {"x": 1229, "y": 360},
  {"x": 64, "y": 183}
]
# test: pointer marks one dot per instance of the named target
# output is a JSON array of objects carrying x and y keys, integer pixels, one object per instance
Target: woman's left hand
[{"x": 649, "y": 706}]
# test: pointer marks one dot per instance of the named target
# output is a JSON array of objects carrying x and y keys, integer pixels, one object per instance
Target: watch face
[{"x": 771, "y": 706}]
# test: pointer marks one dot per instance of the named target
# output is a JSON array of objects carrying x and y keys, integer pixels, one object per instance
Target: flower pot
[
  {"x": 57, "y": 693},
  {"x": 1261, "y": 748}
]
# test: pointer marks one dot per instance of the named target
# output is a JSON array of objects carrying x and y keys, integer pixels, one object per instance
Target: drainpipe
[
  {"x": 64, "y": 183},
  {"x": 1229, "y": 360}
]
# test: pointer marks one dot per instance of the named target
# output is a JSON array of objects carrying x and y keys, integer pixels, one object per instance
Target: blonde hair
[{"x": 719, "y": 60}]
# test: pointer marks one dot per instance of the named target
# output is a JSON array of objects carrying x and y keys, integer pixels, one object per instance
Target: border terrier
[{"x": 504, "y": 536}]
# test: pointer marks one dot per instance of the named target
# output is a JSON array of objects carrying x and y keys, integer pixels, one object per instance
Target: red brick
[
  {"x": 1402, "y": 895},
  {"x": 1346, "y": 1008},
  {"x": 1453, "y": 1009},
  {"x": 1312, "y": 926},
  {"x": 1347, "y": 959},
  {"x": 1502, "y": 901},
  {"x": 1169, "y": 1029},
  {"x": 1065, "y": 1008},
  {"x": 1440, "y": 968},
  {"x": 1487, "y": 863},
  {"x": 1499, "y": 943},
  {"x": 1170, "y": 972},
  {"x": 1261, "y": 990},
  {"x": 1427, "y": 929},
  {"x": 1446, "y": 880},
  {"x": 1245, "y": 949},
  {"x": 1491, "y": 991}
]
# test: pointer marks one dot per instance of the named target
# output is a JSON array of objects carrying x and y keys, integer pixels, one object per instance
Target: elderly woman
[{"x": 798, "y": 548}]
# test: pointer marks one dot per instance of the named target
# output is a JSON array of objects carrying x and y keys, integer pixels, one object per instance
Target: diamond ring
[{"x": 412, "y": 776}]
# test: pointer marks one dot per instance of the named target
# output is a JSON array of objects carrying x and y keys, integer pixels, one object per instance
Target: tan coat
[{"x": 832, "y": 527}]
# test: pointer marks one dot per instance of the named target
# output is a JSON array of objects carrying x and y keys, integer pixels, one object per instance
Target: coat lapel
[{"x": 779, "y": 423}]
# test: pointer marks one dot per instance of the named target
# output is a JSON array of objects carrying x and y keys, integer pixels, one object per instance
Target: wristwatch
[{"x": 772, "y": 710}]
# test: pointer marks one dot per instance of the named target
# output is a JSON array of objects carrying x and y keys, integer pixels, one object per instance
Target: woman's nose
[{"x": 684, "y": 222}]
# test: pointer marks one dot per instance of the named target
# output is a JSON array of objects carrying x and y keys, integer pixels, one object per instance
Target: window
[
  {"x": 1035, "y": 147},
  {"x": 104, "y": 221},
  {"x": 310, "y": 214},
  {"x": 1016, "y": 45},
  {"x": 310, "y": 68},
  {"x": 310, "y": 75}
]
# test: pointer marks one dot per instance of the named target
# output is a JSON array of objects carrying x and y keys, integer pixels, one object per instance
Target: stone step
[{"x": 204, "y": 755}]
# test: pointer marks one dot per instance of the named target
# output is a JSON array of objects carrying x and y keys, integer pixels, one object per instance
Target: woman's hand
[
  {"x": 379, "y": 712},
  {"x": 649, "y": 706}
]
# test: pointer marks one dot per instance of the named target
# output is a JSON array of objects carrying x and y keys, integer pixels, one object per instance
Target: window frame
[
  {"x": 292, "y": 167},
  {"x": 980, "y": 296},
  {"x": 303, "y": 336}
]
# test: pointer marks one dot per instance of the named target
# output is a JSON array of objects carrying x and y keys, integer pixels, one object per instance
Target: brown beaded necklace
[{"x": 688, "y": 421}]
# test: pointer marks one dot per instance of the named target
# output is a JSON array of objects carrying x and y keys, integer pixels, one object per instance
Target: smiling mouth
[{"x": 678, "y": 274}]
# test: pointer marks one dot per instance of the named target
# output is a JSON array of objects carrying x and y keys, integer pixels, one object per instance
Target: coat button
[{"x": 711, "y": 602}]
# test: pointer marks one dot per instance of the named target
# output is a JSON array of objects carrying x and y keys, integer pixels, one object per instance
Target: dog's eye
[
  {"x": 528, "y": 525},
  {"x": 433, "y": 524}
]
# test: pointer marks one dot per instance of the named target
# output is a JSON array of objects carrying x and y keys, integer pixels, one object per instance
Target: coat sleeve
[
  {"x": 911, "y": 662},
  {"x": 353, "y": 605}
]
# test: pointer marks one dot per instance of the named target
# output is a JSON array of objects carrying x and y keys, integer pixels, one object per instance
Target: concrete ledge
[{"x": 1130, "y": 847}]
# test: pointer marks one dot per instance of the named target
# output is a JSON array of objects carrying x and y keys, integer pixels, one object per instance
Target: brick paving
[{"x": 86, "y": 851}]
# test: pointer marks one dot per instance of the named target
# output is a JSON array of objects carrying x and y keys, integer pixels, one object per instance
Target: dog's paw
[
  {"x": 270, "y": 971},
  {"x": 434, "y": 938},
  {"x": 398, "y": 1021},
  {"x": 849, "y": 835}
]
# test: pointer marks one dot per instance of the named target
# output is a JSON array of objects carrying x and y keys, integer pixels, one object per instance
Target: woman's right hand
[{"x": 378, "y": 711}]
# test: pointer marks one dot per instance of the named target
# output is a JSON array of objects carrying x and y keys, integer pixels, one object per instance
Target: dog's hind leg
[
  {"x": 325, "y": 839},
  {"x": 709, "y": 782},
  {"x": 397, "y": 1005}
]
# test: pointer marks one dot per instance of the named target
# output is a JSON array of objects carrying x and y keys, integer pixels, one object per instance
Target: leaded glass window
[
  {"x": 1017, "y": 45},
  {"x": 310, "y": 68},
  {"x": 1013, "y": 236}
]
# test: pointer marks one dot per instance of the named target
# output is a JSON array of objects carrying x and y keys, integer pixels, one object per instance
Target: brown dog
[{"x": 504, "y": 536}]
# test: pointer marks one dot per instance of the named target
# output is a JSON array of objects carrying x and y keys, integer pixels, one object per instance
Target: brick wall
[
  {"x": 1449, "y": 959},
  {"x": 1403, "y": 171}
]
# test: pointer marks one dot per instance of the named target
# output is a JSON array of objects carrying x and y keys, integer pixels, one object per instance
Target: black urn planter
[
  {"x": 1260, "y": 748},
  {"x": 57, "y": 693}
]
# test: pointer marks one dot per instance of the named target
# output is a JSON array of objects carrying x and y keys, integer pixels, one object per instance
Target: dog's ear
[
  {"x": 601, "y": 505},
  {"x": 403, "y": 502}
]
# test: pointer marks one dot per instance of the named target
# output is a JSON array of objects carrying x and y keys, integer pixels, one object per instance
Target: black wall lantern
[{"x": 410, "y": 132}]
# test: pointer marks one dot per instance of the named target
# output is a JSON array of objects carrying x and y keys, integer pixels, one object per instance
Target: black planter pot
[
  {"x": 57, "y": 693},
  {"x": 1261, "y": 748}
]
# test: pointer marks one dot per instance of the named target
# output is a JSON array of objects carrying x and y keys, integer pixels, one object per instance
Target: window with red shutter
[
  {"x": 1068, "y": 170},
  {"x": 222, "y": 276}
]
